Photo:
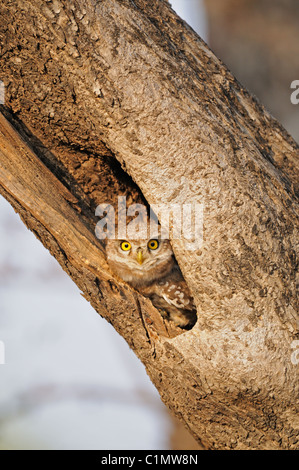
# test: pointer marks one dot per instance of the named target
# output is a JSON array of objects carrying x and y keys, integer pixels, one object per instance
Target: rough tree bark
[{"x": 121, "y": 97}]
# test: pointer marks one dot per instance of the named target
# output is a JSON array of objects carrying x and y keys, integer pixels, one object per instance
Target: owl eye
[
  {"x": 125, "y": 246},
  {"x": 153, "y": 244}
]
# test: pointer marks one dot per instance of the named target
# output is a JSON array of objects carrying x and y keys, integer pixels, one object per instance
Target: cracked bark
[{"x": 122, "y": 98}]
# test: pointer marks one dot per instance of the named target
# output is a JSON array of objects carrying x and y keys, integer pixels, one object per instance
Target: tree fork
[{"x": 120, "y": 85}]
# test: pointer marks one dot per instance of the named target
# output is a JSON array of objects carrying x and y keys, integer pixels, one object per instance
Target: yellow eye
[
  {"x": 125, "y": 246},
  {"x": 153, "y": 244}
]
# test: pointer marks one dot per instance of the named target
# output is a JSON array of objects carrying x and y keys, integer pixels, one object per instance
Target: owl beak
[{"x": 139, "y": 257}]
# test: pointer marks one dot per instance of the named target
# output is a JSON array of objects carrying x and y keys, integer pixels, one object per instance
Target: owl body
[{"x": 150, "y": 267}]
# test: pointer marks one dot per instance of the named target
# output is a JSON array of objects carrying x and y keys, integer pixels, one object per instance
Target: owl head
[{"x": 140, "y": 262}]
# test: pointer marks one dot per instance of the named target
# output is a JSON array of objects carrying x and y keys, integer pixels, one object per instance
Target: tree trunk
[{"x": 116, "y": 97}]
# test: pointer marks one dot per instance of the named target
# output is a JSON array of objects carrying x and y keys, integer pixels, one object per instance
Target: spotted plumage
[{"x": 150, "y": 267}]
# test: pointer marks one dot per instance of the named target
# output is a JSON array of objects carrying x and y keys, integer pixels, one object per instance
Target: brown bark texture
[{"x": 121, "y": 97}]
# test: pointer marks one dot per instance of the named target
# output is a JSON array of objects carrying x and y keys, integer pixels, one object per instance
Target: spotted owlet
[{"x": 150, "y": 267}]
